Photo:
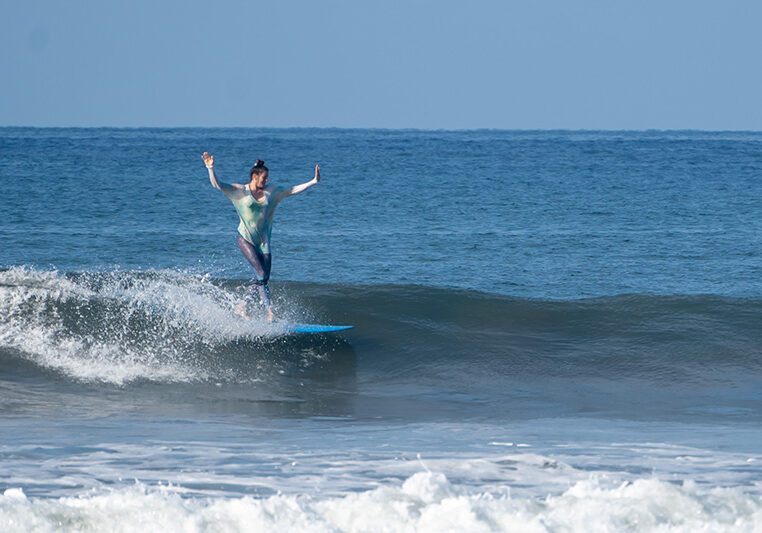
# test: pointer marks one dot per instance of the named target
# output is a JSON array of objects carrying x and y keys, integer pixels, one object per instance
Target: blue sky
[{"x": 385, "y": 64}]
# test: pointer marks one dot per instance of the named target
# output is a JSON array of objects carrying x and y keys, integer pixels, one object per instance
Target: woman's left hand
[{"x": 317, "y": 173}]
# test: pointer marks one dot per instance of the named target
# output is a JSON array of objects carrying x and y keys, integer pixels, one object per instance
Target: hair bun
[{"x": 259, "y": 168}]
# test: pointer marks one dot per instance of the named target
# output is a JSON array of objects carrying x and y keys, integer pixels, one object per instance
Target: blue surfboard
[{"x": 314, "y": 328}]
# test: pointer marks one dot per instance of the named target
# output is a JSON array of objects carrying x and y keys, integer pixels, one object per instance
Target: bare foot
[{"x": 240, "y": 310}]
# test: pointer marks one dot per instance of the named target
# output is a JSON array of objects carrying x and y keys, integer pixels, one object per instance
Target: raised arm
[
  {"x": 227, "y": 188},
  {"x": 296, "y": 189}
]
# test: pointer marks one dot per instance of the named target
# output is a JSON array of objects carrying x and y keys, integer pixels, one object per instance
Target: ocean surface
[{"x": 554, "y": 331}]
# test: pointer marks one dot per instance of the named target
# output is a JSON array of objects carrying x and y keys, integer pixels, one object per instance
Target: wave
[
  {"x": 120, "y": 327},
  {"x": 425, "y": 501},
  {"x": 170, "y": 326}
]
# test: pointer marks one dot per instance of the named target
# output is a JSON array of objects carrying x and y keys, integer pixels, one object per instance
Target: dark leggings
[{"x": 262, "y": 264}]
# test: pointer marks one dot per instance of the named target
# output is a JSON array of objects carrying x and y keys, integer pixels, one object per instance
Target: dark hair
[{"x": 259, "y": 168}]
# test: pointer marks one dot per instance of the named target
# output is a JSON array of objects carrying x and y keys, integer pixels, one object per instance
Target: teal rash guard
[{"x": 257, "y": 215}]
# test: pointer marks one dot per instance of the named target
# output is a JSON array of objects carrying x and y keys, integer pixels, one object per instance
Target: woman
[{"x": 256, "y": 203}]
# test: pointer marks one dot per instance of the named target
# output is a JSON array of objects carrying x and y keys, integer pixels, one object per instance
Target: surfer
[{"x": 255, "y": 203}]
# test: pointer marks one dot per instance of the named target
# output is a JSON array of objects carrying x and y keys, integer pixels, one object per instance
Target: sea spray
[{"x": 119, "y": 327}]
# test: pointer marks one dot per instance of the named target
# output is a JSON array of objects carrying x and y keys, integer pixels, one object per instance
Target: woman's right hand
[{"x": 208, "y": 159}]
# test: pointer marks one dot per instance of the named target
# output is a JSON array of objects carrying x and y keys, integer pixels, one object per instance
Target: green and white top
[{"x": 256, "y": 215}]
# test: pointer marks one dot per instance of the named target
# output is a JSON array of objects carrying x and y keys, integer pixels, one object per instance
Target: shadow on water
[{"x": 311, "y": 375}]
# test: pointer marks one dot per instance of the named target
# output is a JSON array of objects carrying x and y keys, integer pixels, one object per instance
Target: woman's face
[{"x": 259, "y": 180}]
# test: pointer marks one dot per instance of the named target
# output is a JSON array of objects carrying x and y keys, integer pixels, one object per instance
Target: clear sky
[{"x": 603, "y": 64}]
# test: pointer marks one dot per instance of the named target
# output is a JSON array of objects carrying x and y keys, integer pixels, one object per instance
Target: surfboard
[{"x": 314, "y": 328}]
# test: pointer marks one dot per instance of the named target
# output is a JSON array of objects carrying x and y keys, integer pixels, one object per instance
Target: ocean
[{"x": 553, "y": 331}]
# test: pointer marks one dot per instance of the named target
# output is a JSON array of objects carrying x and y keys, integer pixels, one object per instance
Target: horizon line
[{"x": 376, "y": 128}]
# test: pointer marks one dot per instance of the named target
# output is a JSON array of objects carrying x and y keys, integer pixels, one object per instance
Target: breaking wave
[{"x": 426, "y": 501}]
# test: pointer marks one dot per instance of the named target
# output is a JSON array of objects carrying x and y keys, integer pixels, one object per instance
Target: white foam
[
  {"x": 424, "y": 502},
  {"x": 183, "y": 309}
]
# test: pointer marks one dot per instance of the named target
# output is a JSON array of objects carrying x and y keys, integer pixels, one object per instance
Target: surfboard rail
[{"x": 314, "y": 328}]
